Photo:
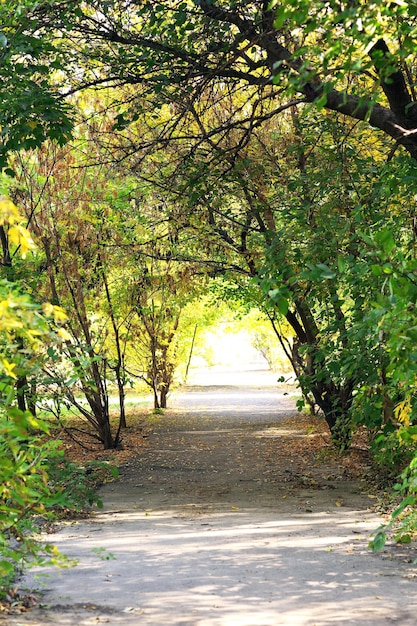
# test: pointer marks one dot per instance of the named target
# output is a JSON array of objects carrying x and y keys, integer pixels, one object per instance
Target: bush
[
  {"x": 27, "y": 330},
  {"x": 403, "y": 522},
  {"x": 391, "y": 456},
  {"x": 79, "y": 482},
  {"x": 25, "y": 492}
]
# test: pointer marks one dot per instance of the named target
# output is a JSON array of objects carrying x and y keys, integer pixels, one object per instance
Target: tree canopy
[
  {"x": 352, "y": 58},
  {"x": 270, "y": 143}
]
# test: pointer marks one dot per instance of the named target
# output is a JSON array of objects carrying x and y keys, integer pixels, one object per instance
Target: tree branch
[{"x": 394, "y": 86}]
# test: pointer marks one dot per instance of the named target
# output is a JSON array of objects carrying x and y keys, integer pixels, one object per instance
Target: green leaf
[
  {"x": 321, "y": 102},
  {"x": 325, "y": 271},
  {"x": 280, "y": 18},
  {"x": 406, "y": 502},
  {"x": 280, "y": 302},
  {"x": 341, "y": 264},
  {"x": 403, "y": 538},
  {"x": 376, "y": 270},
  {"x": 378, "y": 542},
  {"x": 114, "y": 471},
  {"x": 385, "y": 240},
  {"x": 6, "y": 568}
]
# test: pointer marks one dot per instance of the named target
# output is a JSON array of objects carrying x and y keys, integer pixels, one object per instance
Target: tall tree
[
  {"x": 242, "y": 66},
  {"x": 353, "y": 58},
  {"x": 65, "y": 206},
  {"x": 296, "y": 210},
  {"x": 160, "y": 284}
]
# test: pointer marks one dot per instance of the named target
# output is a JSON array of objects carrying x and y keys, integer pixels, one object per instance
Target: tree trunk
[
  {"x": 122, "y": 417},
  {"x": 106, "y": 435},
  {"x": 156, "y": 403},
  {"x": 21, "y": 389},
  {"x": 163, "y": 396},
  {"x": 334, "y": 400},
  {"x": 119, "y": 368}
]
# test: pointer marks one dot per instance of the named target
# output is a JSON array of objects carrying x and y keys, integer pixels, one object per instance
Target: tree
[
  {"x": 106, "y": 258},
  {"x": 296, "y": 211},
  {"x": 65, "y": 206},
  {"x": 351, "y": 58},
  {"x": 27, "y": 331},
  {"x": 31, "y": 108},
  {"x": 160, "y": 288},
  {"x": 224, "y": 70},
  {"x": 208, "y": 77},
  {"x": 217, "y": 72}
]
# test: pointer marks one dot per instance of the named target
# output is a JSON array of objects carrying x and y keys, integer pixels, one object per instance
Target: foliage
[
  {"x": 160, "y": 290},
  {"x": 25, "y": 490},
  {"x": 35, "y": 479},
  {"x": 105, "y": 254},
  {"x": 25, "y": 330},
  {"x": 279, "y": 142},
  {"x": 78, "y": 482},
  {"x": 70, "y": 215},
  {"x": 284, "y": 214},
  {"x": 393, "y": 320},
  {"x": 349, "y": 58},
  {"x": 403, "y": 522},
  {"x": 31, "y": 108},
  {"x": 253, "y": 63}
]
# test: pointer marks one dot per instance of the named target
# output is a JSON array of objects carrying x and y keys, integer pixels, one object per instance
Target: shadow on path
[{"x": 220, "y": 520}]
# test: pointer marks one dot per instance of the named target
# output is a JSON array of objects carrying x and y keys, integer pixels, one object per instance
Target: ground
[{"x": 231, "y": 509}]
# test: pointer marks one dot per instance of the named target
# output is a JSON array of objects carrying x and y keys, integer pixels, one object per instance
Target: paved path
[{"x": 224, "y": 544}]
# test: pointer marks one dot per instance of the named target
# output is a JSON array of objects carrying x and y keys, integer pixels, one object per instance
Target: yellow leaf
[
  {"x": 8, "y": 211},
  {"x": 64, "y": 334},
  {"x": 51, "y": 310},
  {"x": 8, "y": 368},
  {"x": 59, "y": 314},
  {"x": 48, "y": 309},
  {"x": 17, "y": 234},
  {"x": 402, "y": 411}
]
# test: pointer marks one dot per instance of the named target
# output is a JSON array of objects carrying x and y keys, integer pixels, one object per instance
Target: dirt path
[{"x": 230, "y": 515}]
